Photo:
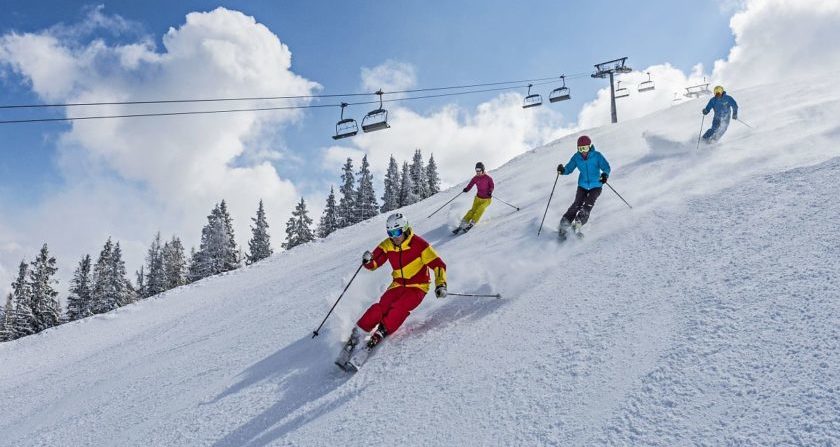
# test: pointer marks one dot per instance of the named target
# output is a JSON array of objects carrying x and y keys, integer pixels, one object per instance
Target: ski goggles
[
  {"x": 583, "y": 149},
  {"x": 395, "y": 232}
]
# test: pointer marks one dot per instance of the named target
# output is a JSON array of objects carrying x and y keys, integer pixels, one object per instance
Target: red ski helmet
[{"x": 583, "y": 140}]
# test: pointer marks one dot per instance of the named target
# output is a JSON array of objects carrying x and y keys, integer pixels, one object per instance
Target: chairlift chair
[
  {"x": 376, "y": 119},
  {"x": 346, "y": 127},
  {"x": 646, "y": 86},
  {"x": 532, "y": 100},
  {"x": 561, "y": 93},
  {"x": 621, "y": 92}
]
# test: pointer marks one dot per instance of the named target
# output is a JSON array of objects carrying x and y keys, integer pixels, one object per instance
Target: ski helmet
[
  {"x": 479, "y": 165},
  {"x": 718, "y": 90},
  {"x": 396, "y": 225},
  {"x": 584, "y": 143}
]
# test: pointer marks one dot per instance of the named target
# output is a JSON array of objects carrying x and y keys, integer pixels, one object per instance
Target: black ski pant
[{"x": 582, "y": 206}]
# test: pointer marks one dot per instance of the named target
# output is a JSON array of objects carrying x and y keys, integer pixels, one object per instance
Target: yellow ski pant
[{"x": 478, "y": 207}]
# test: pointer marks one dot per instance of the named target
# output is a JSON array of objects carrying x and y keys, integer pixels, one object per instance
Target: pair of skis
[
  {"x": 462, "y": 230},
  {"x": 563, "y": 233},
  {"x": 354, "y": 355}
]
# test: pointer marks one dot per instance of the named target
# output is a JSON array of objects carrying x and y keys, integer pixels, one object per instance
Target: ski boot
[
  {"x": 576, "y": 225},
  {"x": 360, "y": 357},
  {"x": 464, "y": 227},
  {"x": 349, "y": 348},
  {"x": 563, "y": 231}
]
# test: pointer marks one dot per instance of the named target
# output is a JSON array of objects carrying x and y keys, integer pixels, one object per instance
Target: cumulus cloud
[
  {"x": 389, "y": 76},
  {"x": 130, "y": 177},
  {"x": 779, "y": 40}
]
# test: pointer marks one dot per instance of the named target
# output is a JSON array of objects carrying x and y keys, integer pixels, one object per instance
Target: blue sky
[
  {"x": 74, "y": 185},
  {"x": 448, "y": 43}
]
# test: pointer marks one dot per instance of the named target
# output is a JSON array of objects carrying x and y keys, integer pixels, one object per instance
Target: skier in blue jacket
[
  {"x": 594, "y": 171},
  {"x": 724, "y": 107}
]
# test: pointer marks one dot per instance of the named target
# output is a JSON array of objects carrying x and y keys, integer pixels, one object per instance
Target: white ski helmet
[{"x": 396, "y": 225}]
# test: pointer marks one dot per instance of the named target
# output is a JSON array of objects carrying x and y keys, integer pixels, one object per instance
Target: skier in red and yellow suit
[{"x": 411, "y": 257}]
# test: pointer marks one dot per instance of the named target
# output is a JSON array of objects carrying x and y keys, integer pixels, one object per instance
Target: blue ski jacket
[
  {"x": 590, "y": 168},
  {"x": 721, "y": 106}
]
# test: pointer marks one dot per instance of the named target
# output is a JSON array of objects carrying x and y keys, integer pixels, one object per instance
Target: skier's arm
[
  {"x": 492, "y": 186},
  {"x": 604, "y": 165},
  {"x": 470, "y": 184},
  {"x": 708, "y": 107},
  {"x": 734, "y": 107},
  {"x": 432, "y": 260},
  {"x": 379, "y": 257},
  {"x": 570, "y": 166}
]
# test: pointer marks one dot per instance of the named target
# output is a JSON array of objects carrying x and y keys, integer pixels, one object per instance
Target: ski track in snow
[{"x": 708, "y": 315}]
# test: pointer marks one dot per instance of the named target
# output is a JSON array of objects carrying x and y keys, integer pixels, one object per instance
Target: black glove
[
  {"x": 561, "y": 169},
  {"x": 705, "y": 112},
  {"x": 604, "y": 177},
  {"x": 466, "y": 189},
  {"x": 367, "y": 257},
  {"x": 735, "y": 117},
  {"x": 440, "y": 291}
]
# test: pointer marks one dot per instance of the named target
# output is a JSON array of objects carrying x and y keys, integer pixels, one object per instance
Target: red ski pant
[{"x": 392, "y": 309}]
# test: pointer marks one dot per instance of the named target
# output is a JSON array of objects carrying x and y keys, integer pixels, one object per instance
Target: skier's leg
[
  {"x": 376, "y": 311},
  {"x": 479, "y": 206},
  {"x": 580, "y": 195},
  {"x": 408, "y": 300},
  {"x": 588, "y": 203},
  {"x": 712, "y": 130},
  {"x": 723, "y": 125}
]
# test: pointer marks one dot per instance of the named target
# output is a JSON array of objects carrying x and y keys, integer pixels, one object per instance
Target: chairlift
[
  {"x": 346, "y": 127},
  {"x": 646, "y": 86},
  {"x": 376, "y": 119},
  {"x": 621, "y": 92},
  {"x": 560, "y": 94},
  {"x": 532, "y": 100},
  {"x": 696, "y": 91}
]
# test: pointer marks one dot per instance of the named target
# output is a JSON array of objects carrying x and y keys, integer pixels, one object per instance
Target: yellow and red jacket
[{"x": 411, "y": 262}]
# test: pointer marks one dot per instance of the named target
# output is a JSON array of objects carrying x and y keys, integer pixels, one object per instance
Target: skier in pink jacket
[{"x": 484, "y": 195}]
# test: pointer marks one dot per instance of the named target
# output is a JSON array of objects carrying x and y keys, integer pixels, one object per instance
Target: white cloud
[
  {"x": 131, "y": 177},
  {"x": 389, "y": 76},
  {"x": 778, "y": 40}
]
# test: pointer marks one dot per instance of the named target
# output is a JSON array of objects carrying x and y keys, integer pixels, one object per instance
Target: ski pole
[
  {"x": 315, "y": 332},
  {"x": 508, "y": 204},
  {"x": 447, "y": 203},
  {"x": 498, "y": 295},
  {"x": 549, "y": 203},
  {"x": 702, "y": 121},
  {"x": 751, "y": 127},
  {"x": 619, "y": 195}
]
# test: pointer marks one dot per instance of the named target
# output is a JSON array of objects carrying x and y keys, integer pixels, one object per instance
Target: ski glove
[
  {"x": 561, "y": 169},
  {"x": 603, "y": 177},
  {"x": 705, "y": 112},
  {"x": 735, "y": 117},
  {"x": 466, "y": 189},
  {"x": 367, "y": 257},
  {"x": 440, "y": 291}
]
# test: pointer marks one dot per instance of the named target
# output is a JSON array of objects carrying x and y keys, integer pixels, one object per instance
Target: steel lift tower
[{"x": 611, "y": 68}]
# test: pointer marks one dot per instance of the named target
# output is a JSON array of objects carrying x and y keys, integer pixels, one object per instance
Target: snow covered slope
[{"x": 709, "y": 314}]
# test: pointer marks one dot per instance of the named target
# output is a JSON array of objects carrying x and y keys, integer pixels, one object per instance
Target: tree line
[{"x": 33, "y": 306}]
